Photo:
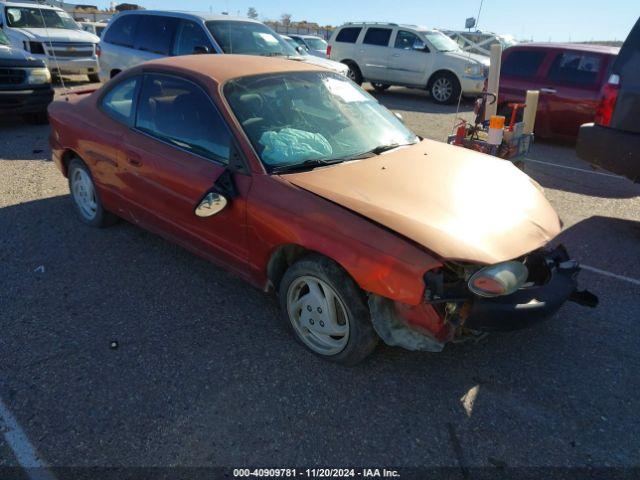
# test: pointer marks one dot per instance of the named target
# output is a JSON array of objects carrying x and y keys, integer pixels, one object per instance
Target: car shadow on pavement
[
  {"x": 415, "y": 100},
  {"x": 127, "y": 349}
]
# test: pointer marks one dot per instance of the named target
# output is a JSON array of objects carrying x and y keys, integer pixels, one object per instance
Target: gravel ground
[{"x": 205, "y": 374}]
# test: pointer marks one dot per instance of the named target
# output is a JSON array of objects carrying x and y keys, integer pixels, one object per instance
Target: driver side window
[
  {"x": 189, "y": 36},
  {"x": 405, "y": 40},
  {"x": 178, "y": 112}
]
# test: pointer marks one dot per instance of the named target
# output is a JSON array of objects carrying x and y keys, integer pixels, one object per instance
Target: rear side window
[
  {"x": 122, "y": 31},
  {"x": 377, "y": 36},
  {"x": 348, "y": 35},
  {"x": 155, "y": 34},
  {"x": 180, "y": 113},
  {"x": 522, "y": 63},
  {"x": 189, "y": 36},
  {"x": 118, "y": 102},
  {"x": 575, "y": 68}
]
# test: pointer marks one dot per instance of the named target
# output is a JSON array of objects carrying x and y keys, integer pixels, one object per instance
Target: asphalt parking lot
[{"x": 205, "y": 373}]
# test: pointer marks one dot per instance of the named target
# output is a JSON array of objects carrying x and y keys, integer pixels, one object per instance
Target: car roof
[
  {"x": 221, "y": 68},
  {"x": 582, "y": 47},
  {"x": 419, "y": 28},
  {"x": 304, "y": 35},
  {"x": 191, "y": 15}
]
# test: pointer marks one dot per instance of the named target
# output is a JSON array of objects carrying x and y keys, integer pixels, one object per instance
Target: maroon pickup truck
[{"x": 569, "y": 77}]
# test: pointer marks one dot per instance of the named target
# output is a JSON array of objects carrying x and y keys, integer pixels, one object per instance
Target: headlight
[
  {"x": 497, "y": 280},
  {"x": 473, "y": 69},
  {"x": 38, "y": 76}
]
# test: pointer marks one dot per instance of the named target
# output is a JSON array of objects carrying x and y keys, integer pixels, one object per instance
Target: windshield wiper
[
  {"x": 375, "y": 151},
  {"x": 311, "y": 163}
]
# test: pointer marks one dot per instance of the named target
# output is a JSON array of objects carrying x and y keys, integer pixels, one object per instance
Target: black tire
[
  {"x": 380, "y": 87},
  {"x": 440, "y": 93},
  {"x": 38, "y": 118},
  {"x": 354, "y": 73},
  {"x": 101, "y": 218},
  {"x": 94, "y": 77},
  {"x": 362, "y": 338}
]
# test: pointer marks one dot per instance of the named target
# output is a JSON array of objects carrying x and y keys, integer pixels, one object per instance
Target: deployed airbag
[{"x": 291, "y": 145}]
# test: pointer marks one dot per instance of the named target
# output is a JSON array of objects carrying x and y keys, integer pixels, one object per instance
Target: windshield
[
  {"x": 248, "y": 38},
  {"x": 441, "y": 42},
  {"x": 30, "y": 17},
  {"x": 316, "y": 43},
  {"x": 4, "y": 40},
  {"x": 291, "y": 118}
]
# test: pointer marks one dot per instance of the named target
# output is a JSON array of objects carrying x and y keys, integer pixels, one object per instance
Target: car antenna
[
  {"x": 55, "y": 58},
  {"x": 453, "y": 127}
]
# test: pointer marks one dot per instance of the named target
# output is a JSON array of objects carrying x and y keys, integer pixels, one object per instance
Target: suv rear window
[
  {"x": 348, "y": 35},
  {"x": 522, "y": 63},
  {"x": 155, "y": 33},
  {"x": 122, "y": 31},
  {"x": 377, "y": 36},
  {"x": 575, "y": 68}
]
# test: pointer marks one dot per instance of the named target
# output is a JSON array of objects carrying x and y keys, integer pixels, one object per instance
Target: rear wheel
[
  {"x": 354, "y": 73},
  {"x": 327, "y": 311},
  {"x": 85, "y": 196},
  {"x": 380, "y": 87},
  {"x": 444, "y": 88}
]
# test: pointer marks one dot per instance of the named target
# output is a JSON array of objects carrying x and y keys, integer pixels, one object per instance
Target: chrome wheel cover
[
  {"x": 442, "y": 89},
  {"x": 318, "y": 315},
  {"x": 84, "y": 194}
]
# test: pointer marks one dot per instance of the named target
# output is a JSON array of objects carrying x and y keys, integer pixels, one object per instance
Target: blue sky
[{"x": 542, "y": 20}]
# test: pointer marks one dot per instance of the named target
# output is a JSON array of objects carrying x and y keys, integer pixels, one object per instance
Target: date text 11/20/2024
[{"x": 315, "y": 473}]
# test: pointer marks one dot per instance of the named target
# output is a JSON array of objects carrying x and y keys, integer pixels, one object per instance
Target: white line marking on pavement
[
  {"x": 573, "y": 168},
  {"x": 25, "y": 452},
  {"x": 612, "y": 275}
]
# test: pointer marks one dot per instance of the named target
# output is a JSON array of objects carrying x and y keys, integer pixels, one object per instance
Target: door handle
[
  {"x": 134, "y": 159},
  {"x": 550, "y": 91}
]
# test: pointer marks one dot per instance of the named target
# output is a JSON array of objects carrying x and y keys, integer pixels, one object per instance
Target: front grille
[
  {"x": 69, "y": 49},
  {"x": 11, "y": 76}
]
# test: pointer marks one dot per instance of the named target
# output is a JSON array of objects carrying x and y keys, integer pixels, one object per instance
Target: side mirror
[
  {"x": 211, "y": 204},
  {"x": 399, "y": 117},
  {"x": 200, "y": 49},
  {"x": 420, "y": 45},
  {"x": 301, "y": 50}
]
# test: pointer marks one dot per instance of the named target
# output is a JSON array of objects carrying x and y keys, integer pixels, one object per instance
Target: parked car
[
  {"x": 51, "y": 35},
  {"x": 303, "y": 55},
  {"x": 479, "y": 42},
  {"x": 265, "y": 167},
  {"x": 568, "y": 76},
  {"x": 94, "y": 27},
  {"x": 25, "y": 84},
  {"x": 137, "y": 36},
  {"x": 386, "y": 54},
  {"x": 316, "y": 46},
  {"x": 612, "y": 141}
]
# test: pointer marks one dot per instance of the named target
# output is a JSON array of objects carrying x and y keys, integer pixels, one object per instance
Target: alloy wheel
[
  {"x": 318, "y": 315},
  {"x": 442, "y": 89}
]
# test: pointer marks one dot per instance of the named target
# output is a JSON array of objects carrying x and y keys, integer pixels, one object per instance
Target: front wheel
[
  {"x": 85, "y": 196},
  {"x": 380, "y": 87},
  {"x": 444, "y": 88},
  {"x": 327, "y": 311}
]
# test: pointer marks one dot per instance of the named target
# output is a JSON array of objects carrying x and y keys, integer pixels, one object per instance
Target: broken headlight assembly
[{"x": 500, "y": 279}]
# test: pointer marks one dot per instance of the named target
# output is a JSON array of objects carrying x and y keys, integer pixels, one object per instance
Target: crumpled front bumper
[{"x": 526, "y": 306}]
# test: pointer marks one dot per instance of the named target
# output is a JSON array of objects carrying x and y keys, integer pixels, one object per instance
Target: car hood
[
  {"x": 322, "y": 62},
  {"x": 482, "y": 59},
  {"x": 461, "y": 205},
  {"x": 57, "y": 35}
]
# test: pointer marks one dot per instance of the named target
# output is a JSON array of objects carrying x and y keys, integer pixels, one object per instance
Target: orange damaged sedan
[{"x": 300, "y": 182}]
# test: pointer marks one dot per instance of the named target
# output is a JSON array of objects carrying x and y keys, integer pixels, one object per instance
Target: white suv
[
  {"x": 50, "y": 35},
  {"x": 386, "y": 54},
  {"x": 136, "y": 36}
]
